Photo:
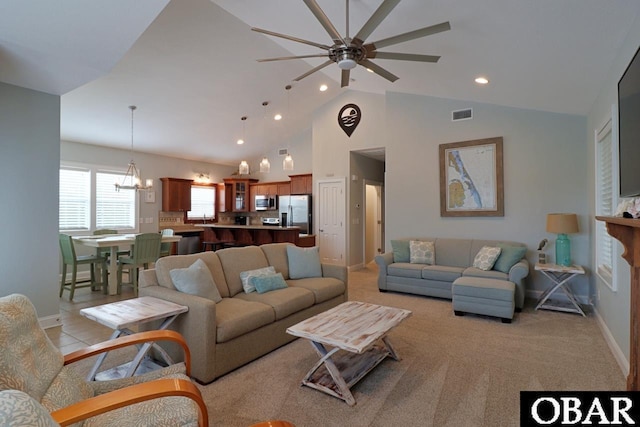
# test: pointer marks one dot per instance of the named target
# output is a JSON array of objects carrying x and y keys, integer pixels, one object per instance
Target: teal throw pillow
[
  {"x": 509, "y": 256},
  {"x": 268, "y": 283},
  {"x": 246, "y": 275},
  {"x": 401, "y": 252},
  {"x": 303, "y": 262},
  {"x": 196, "y": 280}
]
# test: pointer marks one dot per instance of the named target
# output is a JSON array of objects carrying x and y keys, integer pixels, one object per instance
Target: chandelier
[{"x": 132, "y": 180}]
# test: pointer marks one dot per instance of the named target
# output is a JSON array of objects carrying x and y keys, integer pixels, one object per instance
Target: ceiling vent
[
  {"x": 283, "y": 152},
  {"x": 466, "y": 114}
]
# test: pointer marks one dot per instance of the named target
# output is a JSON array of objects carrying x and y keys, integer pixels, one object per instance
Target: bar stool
[{"x": 211, "y": 240}]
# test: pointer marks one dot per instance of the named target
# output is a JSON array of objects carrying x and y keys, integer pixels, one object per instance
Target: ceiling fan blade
[
  {"x": 378, "y": 70},
  {"x": 344, "y": 82},
  {"x": 313, "y": 70},
  {"x": 324, "y": 21},
  {"x": 402, "y": 56},
  {"x": 295, "y": 39},
  {"x": 378, "y": 16},
  {"x": 411, "y": 35},
  {"x": 284, "y": 58}
]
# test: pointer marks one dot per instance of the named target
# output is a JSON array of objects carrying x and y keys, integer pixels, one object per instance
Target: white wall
[
  {"x": 298, "y": 146},
  {"x": 29, "y": 157},
  {"x": 612, "y": 307}
]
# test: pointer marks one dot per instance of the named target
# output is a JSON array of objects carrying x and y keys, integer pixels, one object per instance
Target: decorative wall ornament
[
  {"x": 471, "y": 178},
  {"x": 349, "y": 117}
]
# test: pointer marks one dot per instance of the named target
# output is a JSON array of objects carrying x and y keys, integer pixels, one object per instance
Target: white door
[
  {"x": 331, "y": 221},
  {"x": 373, "y": 220}
]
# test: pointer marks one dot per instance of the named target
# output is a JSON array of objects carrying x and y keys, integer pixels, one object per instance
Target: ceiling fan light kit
[{"x": 350, "y": 52}]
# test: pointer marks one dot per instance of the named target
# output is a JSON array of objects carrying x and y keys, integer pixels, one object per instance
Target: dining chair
[
  {"x": 69, "y": 258},
  {"x": 165, "y": 248},
  {"x": 145, "y": 250},
  {"x": 165, "y": 396}
]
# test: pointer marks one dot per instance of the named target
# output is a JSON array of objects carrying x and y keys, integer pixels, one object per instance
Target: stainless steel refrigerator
[{"x": 298, "y": 212}]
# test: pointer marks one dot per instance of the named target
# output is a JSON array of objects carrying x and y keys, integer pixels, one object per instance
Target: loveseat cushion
[
  {"x": 276, "y": 254},
  {"x": 488, "y": 274},
  {"x": 283, "y": 301},
  {"x": 323, "y": 288},
  {"x": 236, "y": 260},
  {"x": 405, "y": 269},
  {"x": 442, "y": 273},
  {"x": 165, "y": 264},
  {"x": 454, "y": 252},
  {"x": 235, "y": 317}
]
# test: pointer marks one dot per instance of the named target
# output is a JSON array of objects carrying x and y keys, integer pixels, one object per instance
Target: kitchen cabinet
[
  {"x": 284, "y": 188},
  {"x": 301, "y": 184},
  {"x": 237, "y": 194},
  {"x": 176, "y": 194}
]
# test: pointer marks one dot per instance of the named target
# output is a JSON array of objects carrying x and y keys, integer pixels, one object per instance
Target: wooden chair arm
[
  {"x": 130, "y": 395},
  {"x": 133, "y": 339}
]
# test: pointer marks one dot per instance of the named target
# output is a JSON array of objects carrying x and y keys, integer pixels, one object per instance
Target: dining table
[{"x": 114, "y": 241}]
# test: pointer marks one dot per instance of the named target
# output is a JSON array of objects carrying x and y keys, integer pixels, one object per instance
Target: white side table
[
  {"x": 123, "y": 315},
  {"x": 560, "y": 277}
]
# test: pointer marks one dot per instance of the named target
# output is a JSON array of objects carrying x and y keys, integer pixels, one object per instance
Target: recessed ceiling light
[
  {"x": 277, "y": 117},
  {"x": 370, "y": 70},
  {"x": 482, "y": 80},
  {"x": 240, "y": 142},
  {"x": 323, "y": 88}
]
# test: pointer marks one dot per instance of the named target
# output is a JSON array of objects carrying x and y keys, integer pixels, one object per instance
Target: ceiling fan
[{"x": 349, "y": 52}]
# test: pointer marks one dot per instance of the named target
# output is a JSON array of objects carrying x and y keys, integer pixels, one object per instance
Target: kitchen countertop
[
  {"x": 177, "y": 229},
  {"x": 249, "y": 227}
]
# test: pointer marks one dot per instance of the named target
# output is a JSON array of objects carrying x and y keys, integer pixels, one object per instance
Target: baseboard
[
  {"x": 613, "y": 345},
  {"x": 50, "y": 321}
]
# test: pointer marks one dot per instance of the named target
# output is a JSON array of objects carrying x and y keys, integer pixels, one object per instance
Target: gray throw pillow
[
  {"x": 400, "y": 250},
  {"x": 303, "y": 262},
  {"x": 196, "y": 280}
]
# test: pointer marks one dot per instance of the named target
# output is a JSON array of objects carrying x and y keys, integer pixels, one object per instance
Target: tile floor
[{"x": 77, "y": 331}]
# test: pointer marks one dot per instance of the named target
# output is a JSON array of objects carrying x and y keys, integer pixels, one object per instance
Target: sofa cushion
[
  {"x": 283, "y": 302},
  {"x": 441, "y": 273},
  {"x": 276, "y": 254},
  {"x": 196, "y": 280},
  {"x": 509, "y": 256},
  {"x": 453, "y": 252},
  {"x": 491, "y": 289},
  {"x": 236, "y": 317},
  {"x": 487, "y": 274},
  {"x": 405, "y": 269},
  {"x": 323, "y": 288},
  {"x": 246, "y": 275},
  {"x": 165, "y": 264},
  {"x": 401, "y": 252},
  {"x": 421, "y": 252},
  {"x": 486, "y": 257},
  {"x": 236, "y": 260},
  {"x": 268, "y": 283},
  {"x": 304, "y": 262}
]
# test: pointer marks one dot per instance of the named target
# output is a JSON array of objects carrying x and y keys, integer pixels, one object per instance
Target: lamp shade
[{"x": 562, "y": 223}]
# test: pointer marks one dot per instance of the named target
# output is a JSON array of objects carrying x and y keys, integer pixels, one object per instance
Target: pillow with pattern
[
  {"x": 486, "y": 257},
  {"x": 422, "y": 252}
]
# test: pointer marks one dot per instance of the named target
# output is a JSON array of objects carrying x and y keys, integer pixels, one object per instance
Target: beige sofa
[{"x": 242, "y": 326}]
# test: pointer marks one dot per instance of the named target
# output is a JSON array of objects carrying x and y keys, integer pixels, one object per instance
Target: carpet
[{"x": 455, "y": 371}]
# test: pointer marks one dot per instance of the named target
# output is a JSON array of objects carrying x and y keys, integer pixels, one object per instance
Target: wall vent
[
  {"x": 466, "y": 114},
  {"x": 283, "y": 152}
]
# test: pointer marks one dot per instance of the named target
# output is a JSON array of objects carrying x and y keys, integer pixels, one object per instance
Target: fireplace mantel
[{"x": 627, "y": 231}]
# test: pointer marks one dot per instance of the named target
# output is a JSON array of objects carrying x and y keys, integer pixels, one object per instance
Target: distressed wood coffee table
[{"x": 358, "y": 329}]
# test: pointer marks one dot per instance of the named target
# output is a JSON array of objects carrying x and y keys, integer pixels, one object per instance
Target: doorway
[{"x": 373, "y": 220}]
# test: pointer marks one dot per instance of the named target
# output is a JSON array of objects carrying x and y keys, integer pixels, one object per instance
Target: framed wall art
[{"x": 471, "y": 178}]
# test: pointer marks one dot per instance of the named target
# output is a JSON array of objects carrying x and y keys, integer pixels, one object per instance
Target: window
[
  {"x": 75, "y": 199},
  {"x": 88, "y": 200},
  {"x": 606, "y": 188},
  {"x": 203, "y": 201}
]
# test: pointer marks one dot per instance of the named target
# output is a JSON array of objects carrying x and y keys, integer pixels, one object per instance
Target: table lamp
[{"x": 562, "y": 224}]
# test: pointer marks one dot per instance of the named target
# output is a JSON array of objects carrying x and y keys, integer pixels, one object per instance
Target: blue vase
[{"x": 563, "y": 250}]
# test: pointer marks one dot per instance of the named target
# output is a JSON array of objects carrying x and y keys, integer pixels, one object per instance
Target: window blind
[
  {"x": 604, "y": 203},
  {"x": 114, "y": 209},
  {"x": 202, "y": 202},
  {"x": 74, "y": 199}
]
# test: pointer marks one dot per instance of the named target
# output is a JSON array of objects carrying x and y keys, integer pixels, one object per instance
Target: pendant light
[
  {"x": 265, "y": 166},
  {"x": 243, "y": 168},
  {"x": 287, "y": 163},
  {"x": 132, "y": 180}
]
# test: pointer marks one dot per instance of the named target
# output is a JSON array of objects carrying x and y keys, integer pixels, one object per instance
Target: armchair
[{"x": 30, "y": 363}]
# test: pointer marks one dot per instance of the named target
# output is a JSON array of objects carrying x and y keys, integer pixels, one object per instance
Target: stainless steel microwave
[{"x": 266, "y": 203}]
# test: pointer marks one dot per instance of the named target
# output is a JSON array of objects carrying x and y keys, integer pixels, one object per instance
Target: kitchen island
[{"x": 250, "y": 234}]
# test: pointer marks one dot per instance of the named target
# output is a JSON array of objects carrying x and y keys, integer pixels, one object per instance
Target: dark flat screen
[{"x": 629, "y": 128}]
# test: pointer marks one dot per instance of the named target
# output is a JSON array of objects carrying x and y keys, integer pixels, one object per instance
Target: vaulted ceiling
[{"x": 191, "y": 69}]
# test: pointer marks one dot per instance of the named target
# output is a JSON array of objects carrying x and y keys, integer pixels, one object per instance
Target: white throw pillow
[
  {"x": 486, "y": 257},
  {"x": 196, "y": 280},
  {"x": 422, "y": 252},
  {"x": 245, "y": 275}
]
